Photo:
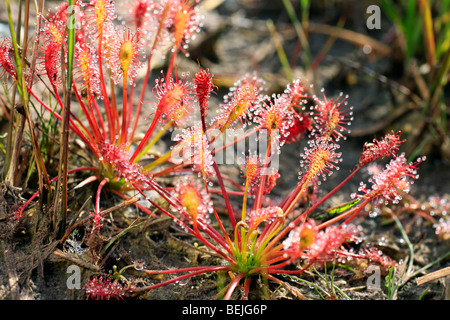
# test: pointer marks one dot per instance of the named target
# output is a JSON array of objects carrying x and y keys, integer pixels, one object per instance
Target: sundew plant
[{"x": 86, "y": 55}]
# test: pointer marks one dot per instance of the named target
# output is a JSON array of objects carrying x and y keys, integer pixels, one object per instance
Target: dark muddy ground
[{"x": 235, "y": 40}]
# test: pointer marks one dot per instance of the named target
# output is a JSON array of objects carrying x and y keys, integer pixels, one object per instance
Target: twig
[
  {"x": 279, "y": 47},
  {"x": 350, "y": 36},
  {"x": 445, "y": 256},
  {"x": 286, "y": 286},
  {"x": 433, "y": 276},
  {"x": 61, "y": 254},
  {"x": 119, "y": 206},
  {"x": 102, "y": 213}
]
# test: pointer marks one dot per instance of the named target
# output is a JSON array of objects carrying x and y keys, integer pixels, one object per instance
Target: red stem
[
  {"x": 147, "y": 74},
  {"x": 247, "y": 283},
  {"x": 88, "y": 115},
  {"x": 123, "y": 135},
  {"x": 172, "y": 62},
  {"x": 147, "y": 136},
  {"x": 23, "y": 207},
  {"x": 258, "y": 201},
  {"x": 108, "y": 112},
  {"x": 220, "y": 180},
  {"x": 91, "y": 100},
  {"x": 141, "y": 97},
  {"x": 91, "y": 144},
  {"x": 292, "y": 271},
  {"x": 233, "y": 286},
  {"x": 99, "y": 191},
  {"x": 171, "y": 271},
  {"x": 130, "y": 109},
  {"x": 210, "y": 231},
  {"x": 164, "y": 283}
]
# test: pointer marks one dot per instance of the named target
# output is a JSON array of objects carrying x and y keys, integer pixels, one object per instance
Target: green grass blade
[
  {"x": 24, "y": 96},
  {"x": 299, "y": 31},
  {"x": 391, "y": 11},
  {"x": 428, "y": 32},
  {"x": 280, "y": 51}
]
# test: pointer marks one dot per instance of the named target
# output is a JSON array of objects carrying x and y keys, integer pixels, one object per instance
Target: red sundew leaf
[
  {"x": 139, "y": 12},
  {"x": 386, "y": 184},
  {"x": 103, "y": 288},
  {"x": 324, "y": 243},
  {"x": 174, "y": 97},
  {"x": 270, "y": 182},
  {"x": 268, "y": 214},
  {"x": 379, "y": 149},
  {"x": 100, "y": 11},
  {"x": 52, "y": 63},
  {"x": 297, "y": 93},
  {"x": 193, "y": 149},
  {"x": 7, "y": 65},
  {"x": 302, "y": 125},
  {"x": 331, "y": 117},
  {"x": 194, "y": 198},
  {"x": 119, "y": 158},
  {"x": 241, "y": 102},
  {"x": 124, "y": 53},
  {"x": 187, "y": 21},
  {"x": 251, "y": 169},
  {"x": 277, "y": 116},
  {"x": 320, "y": 158},
  {"x": 376, "y": 256},
  {"x": 86, "y": 70},
  {"x": 203, "y": 87}
]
